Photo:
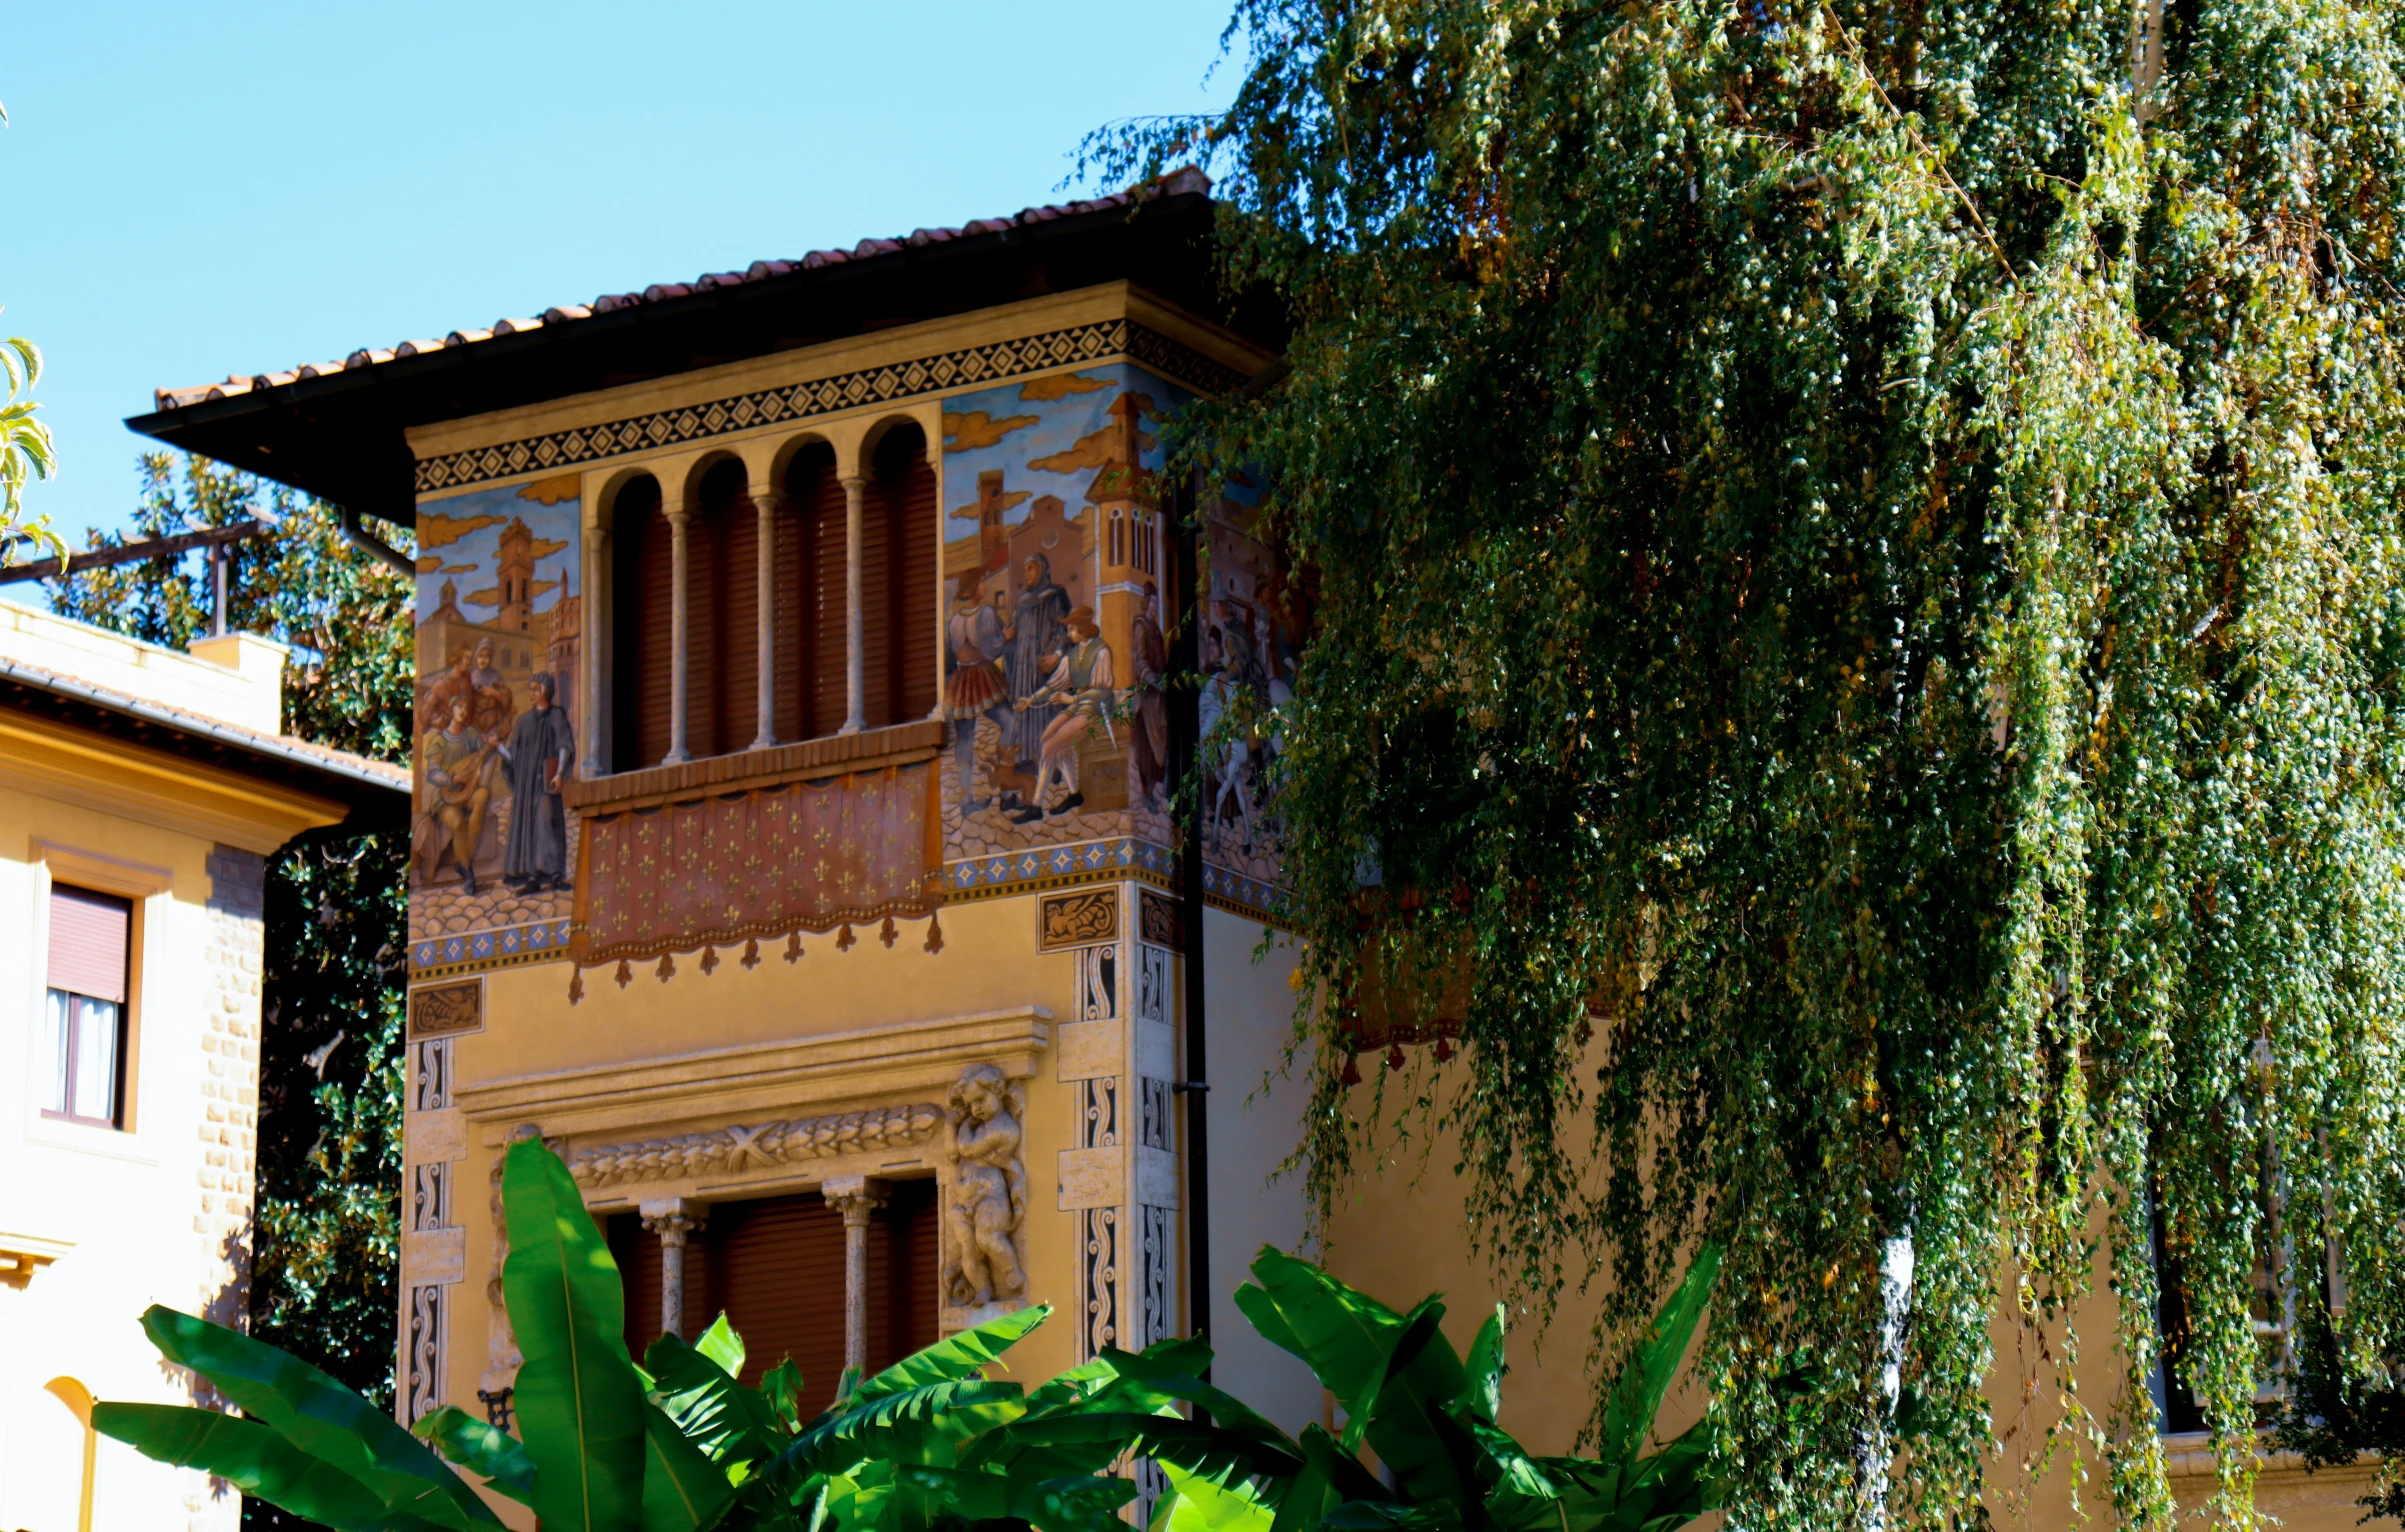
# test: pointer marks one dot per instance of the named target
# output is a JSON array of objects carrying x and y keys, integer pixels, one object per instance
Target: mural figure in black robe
[
  {"x": 538, "y": 755},
  {"x": 1038, "y": 634}
]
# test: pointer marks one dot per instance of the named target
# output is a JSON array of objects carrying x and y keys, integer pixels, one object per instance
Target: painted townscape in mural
[
  {"x": 1053, "y": 546},
  {"x": 491, "y": 842}
]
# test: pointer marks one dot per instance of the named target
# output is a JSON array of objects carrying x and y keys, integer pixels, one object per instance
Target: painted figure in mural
[
  {"x": 1080, "y": 694},
  {"x": 1227, "y": 747},
  {"x": 1148, "y": 748},
  {"x": 455, "y": 766},
  {"x": 976, "y": 688},
  {"x": 989, "y": 1192},
  {"x": 1036, "y": 640},
  {"x": 538, "y": 755}
]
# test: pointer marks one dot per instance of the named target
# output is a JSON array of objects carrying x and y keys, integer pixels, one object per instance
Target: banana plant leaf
[
  {"x": 1073, "y": 1503},
  {"x": 581, "y": 1410},
  {"x": 1638, "y": 1392},
  {"x": 1192, "y": 1445},
  {"x": 1200, "y": 1503},
  {"x": 481, "y": 1448},
  {"x": 722, "y": 1345},
  {"x": 730, "y": 1424},
  {"x": 1344, "y": 1336},
  {"x": 683, "y": 1491},
  {"x": 320, "y": 1416},
  {"x": 1482, "y": 1370},
  {"x": 255, "y": 1458},
  {"x": 951, "y": 1359},
  {"x": 1409, "y": 1419},
  {"x": 925, "y": 1426}
]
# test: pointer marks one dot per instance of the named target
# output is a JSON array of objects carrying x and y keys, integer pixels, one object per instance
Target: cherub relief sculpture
[{"x": 988, "y": 1198}]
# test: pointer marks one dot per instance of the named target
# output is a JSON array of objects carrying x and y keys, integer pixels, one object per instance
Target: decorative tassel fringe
[
  {"x": 1352, "y": 1071},
  {"x": 751, "y": 954},
  {"x": 793, "y": 946},
  {"x": 844, "y": 938},
  {"x": 667, "y": 968},
  {"x": 626, "y": 975},
  {"x": 709, "y": 961},
  {"x": 1394, "y": 1056},
  {"x": 576, "y": 985},
  {"x": 935, "y": 933},
  {"x": 887, "y": 935}
]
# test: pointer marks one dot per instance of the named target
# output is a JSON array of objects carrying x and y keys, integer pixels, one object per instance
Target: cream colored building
[{"x": 141, "y": 792}]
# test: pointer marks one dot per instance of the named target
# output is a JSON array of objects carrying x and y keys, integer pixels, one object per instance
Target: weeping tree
[{"x": 1859, "y": 677}]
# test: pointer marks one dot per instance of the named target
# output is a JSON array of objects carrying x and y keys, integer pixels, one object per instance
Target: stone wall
[{"x": 229, "y": 1122}]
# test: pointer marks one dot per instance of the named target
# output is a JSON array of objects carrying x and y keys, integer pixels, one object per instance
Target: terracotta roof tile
[{"x": 1184, "y": 181}]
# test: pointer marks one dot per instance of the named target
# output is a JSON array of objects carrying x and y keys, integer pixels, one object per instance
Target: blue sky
[{"x": 189, "y": 191}]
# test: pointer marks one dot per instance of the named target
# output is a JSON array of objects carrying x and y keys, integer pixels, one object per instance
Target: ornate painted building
[{"x": 791, "y": 840}]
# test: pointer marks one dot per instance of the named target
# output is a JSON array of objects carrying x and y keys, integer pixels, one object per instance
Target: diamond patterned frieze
[{"x": 1082, "y": 344}]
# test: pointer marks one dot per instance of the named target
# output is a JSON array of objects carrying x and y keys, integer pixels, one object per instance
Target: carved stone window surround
[{"x": 811, "y": 1076}]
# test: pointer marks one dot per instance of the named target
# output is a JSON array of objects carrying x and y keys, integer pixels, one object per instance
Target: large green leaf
[
  {"x": 253, "y": 1457},
  {"x": 1199, "y": 1503},
  {"x": 1343, "y": 1335},
  {"x": 683, "y": 1491},
  {"x": 930, "y": 1425},
  {"x": 1638, "y": 1392},
  {"x": 1195, "y": 1446},
  {"x": 482, "y": 1447},
  {"x": 1065, "y": 1504},
  {"x": 722, "y": 1345},
  {"x": 1482, "y": 1370},
  {"x": 320, "y": 1416},
  {"x": 952, "y": 1358},
  {"x": 580, "y": 1405},
  {"x": 730, "y": 1424}
]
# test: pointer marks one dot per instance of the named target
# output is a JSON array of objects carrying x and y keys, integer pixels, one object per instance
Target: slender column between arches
[
  {"x": 673, "y": 1219},
  {"x": 943, "y": 602},
  {"x": 764, "y": 497},
  {"x": 680, "y": 632},
  {"x": 855, "y": 494},
  {"x": 592, "y": 671},
  {"x": 855, "y": 1197}
]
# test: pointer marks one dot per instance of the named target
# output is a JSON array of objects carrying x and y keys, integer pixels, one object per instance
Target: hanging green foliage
[{"x": 1861, "y": 631}]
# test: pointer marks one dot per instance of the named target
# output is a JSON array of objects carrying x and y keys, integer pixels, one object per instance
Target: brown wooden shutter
[
  {"x": 777, "y": 1271},
  {"x": 734, "y": 674},
  {"x": 89, "y": 937},
  {"x": 903, "y": 1316},
  {"x": 644, "y": 629},
  {"x": 819, "y": 552},
  {"x": 917, "y": 514},
  {"x": 879, "y": 624}
]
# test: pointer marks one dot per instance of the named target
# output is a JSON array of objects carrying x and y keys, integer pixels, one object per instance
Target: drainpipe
[{"x": 1185, "y": 738}]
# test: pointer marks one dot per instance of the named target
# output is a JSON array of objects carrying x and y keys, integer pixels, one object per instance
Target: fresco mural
[
  {"x": 491, "y": 843},
  {"x": 1059, "y": 734}
]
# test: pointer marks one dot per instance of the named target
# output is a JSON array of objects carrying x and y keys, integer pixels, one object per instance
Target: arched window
[
  {"x": 810, "y": 596},
  {"x": 642, "y": 628},
  {"x": 897, "y": 582}
]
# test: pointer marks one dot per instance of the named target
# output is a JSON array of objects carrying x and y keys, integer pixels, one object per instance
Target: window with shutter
[
  {"x": 91, "y": 936},
  {"x": 724, "y": 610},
  {"x": 774, "y": 1267},
  {"x": 897, "y": 583}
]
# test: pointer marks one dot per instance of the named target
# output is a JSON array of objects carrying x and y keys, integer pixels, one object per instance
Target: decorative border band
[
  {"x": 496, "y": 948},
  {"x": 995, "y": 363}
]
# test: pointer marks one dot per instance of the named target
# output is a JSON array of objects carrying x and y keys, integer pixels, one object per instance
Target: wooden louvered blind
[
  {"x": 89, "y": 937},
  {"x": 775, "y": 1268},
  {"x": 817, "y": 645},
  {"x": 644, "y": 637},
  {"x": 897, "y": 583},
  {"x": 723, "y": 667}
]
